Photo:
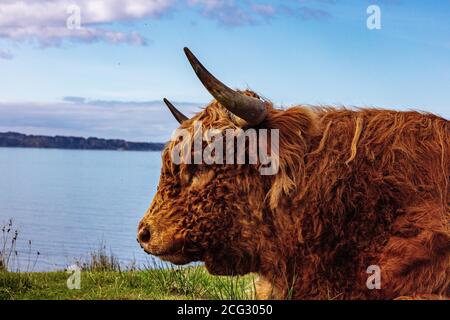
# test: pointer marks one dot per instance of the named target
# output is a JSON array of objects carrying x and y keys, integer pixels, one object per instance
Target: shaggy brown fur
[{"x": 355, "y": 188}]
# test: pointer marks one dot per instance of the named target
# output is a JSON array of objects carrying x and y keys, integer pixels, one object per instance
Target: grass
[
  {"x": 101, "y": 260},
  {"x": 102, "y": 277},
  {"x": 8, "y": 242},
  {"x": 9, "y": 254},
  {"x": 174, "y": 283}
]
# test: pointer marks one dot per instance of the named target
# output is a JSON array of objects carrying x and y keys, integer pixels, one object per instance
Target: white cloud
[
  {"x": 234, "y": 13},
  {"x": 45, "y": 21},
  {"x": 226, "y": 12},
  {"x": 78, "y": 116},
  {"x": 6, "y": 55},
  {"x": 265, "y": 10},
  {"x": 211, "y": 4},
  {"x": 52, "y": 36}
]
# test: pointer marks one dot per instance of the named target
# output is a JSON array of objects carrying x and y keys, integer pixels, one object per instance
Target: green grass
[
  {"x": 174, "y": 283},
  {"x": 103, "y": 277}
]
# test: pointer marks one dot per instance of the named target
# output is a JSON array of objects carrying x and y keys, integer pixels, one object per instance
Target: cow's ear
[
  {"x": 296, "y": 126},
  {"x": 291, "y": 120}
]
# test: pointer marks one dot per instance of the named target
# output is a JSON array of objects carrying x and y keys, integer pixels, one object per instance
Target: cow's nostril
[{"x": 144, "y": 235}]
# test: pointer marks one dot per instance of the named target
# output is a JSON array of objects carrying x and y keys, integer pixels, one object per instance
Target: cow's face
[
  {"x": 206, "y": 212},
  {"x": 222, "y": 213}
]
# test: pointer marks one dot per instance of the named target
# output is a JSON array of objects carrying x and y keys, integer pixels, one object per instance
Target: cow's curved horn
[
  {"x": 250, "y": 109},
  {"x": 176, "y": 113}
]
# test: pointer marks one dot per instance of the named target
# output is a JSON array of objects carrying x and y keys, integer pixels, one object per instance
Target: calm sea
[{"x": 69, "y": 202}]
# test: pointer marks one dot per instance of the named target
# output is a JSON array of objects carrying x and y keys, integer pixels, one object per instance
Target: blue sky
[{"x": 108, "y": 79}]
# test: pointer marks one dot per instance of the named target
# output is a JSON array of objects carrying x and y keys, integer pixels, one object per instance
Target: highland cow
[{"x": 355, "y": 188}]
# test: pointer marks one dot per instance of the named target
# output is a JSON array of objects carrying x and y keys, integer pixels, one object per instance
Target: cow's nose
[{"x": 144, "y": 235}]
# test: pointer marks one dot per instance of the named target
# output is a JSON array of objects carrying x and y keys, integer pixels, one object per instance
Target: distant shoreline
[{"x": 20, "y": 140}]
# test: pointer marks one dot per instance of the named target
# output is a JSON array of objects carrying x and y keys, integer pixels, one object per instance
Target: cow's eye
[
  {"x": 202, "y": 179},
  {"x": 185, "y": 178}
]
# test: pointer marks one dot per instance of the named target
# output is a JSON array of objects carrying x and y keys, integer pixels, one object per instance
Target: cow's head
[{"x": 222, "y": 214}]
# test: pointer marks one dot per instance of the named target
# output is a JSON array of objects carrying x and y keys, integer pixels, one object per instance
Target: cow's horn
[
  {"x": 176, "y": 113},
  {"x": 250, "y": 109}
]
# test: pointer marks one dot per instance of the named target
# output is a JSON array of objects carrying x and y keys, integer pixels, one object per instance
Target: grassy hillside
[{"x": 177, "y": 283}]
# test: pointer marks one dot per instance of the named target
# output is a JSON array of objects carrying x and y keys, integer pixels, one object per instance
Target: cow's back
[{"x": 367, "y": 171}]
